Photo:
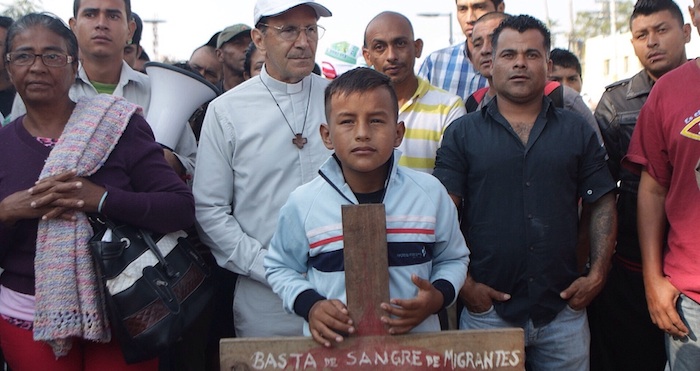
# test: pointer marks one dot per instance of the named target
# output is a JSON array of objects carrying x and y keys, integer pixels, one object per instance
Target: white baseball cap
[{"x": 268, "y": 8}]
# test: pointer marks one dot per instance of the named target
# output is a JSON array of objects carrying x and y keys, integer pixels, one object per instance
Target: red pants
[{"x": 23, "y": 353}]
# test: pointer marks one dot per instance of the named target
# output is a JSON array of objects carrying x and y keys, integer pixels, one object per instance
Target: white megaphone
[{"x": 175, "y": 94}]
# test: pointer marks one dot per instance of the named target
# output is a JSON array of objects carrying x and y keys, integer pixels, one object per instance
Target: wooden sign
[
  {"x": 447, "y": 350},
  {"x": 371, "y": 348}
]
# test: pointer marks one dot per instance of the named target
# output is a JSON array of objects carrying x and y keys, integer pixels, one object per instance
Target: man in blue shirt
[
  {"x": 449, "y": 68},
  {"x": 519, "y": 166}
]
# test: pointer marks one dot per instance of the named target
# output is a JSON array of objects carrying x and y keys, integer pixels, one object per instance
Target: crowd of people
[{"x": 508, "y": 202}]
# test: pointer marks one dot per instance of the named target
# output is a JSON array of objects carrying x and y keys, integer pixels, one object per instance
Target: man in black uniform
[{"x": 622, "y": 334}]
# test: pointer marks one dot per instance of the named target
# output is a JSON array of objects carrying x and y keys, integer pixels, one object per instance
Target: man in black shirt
[
  {"x": 520, "y": 166},
  {"x": 659, "y": 35}
]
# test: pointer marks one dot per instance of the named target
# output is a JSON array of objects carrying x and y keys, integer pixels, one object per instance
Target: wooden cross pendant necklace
[{"x": 298, "y": 139}]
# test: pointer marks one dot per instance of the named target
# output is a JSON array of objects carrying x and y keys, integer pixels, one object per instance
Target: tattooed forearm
[{"x": 603, "y": 231}]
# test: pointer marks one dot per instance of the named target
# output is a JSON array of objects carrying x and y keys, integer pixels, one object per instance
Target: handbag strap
[
  {"x": 97, "y": 219},
  {"x": 169, "y": 270}
]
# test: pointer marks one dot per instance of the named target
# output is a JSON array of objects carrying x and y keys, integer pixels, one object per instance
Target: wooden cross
[
  {"x": 299, "y": 141},
  {"x": 371, "y": 348}
]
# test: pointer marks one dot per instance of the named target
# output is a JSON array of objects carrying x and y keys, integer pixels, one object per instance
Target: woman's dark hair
[
  {"x": 250, "y": 50},
  {"x": 48, "y": 21}
]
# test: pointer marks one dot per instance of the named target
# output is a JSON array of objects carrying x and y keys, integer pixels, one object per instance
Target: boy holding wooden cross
[{"x": 427, "y": 254}]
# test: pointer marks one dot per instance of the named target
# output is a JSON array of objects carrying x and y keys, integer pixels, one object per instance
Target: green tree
[
  {"x": 594, "y": 23},
  {"x": 19, "y": 8},
  {"x": 590, "y": 24}
]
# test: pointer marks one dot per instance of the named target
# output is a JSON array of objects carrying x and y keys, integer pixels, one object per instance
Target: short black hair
[
  {"x": 6, "y": 22},
  {"x": 127, "y": 5},
  {"x": 136, "y": 39},
  {"x": 483, "y": 18},
  {"x": 566, "y": 59},
  {"x": 144, "y": 56},
  {"x": 649, "y": 7},
  {"x": 522, "y": 23},
  {"x": 50, "y": 22},
  {"x": 492, "y": 15},
  {"x": 360, "y": 80}
]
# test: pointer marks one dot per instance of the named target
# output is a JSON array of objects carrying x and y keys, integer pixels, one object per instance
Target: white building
[{"x": 611, "y": 58}]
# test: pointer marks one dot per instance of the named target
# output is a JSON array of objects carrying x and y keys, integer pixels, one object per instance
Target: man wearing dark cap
[
  {"x": 230, "y": 49},
  {"x": 259, "y": 142}
]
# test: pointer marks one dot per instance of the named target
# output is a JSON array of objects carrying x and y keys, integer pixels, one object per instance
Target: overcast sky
[{"x": 189, "y": 24}]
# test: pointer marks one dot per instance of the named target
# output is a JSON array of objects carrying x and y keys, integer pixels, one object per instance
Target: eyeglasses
[
  {"x": 49, "y": 59},
  {"x": 291, "y": 33}
]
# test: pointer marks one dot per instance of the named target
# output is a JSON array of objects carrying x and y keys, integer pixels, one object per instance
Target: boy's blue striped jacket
[{"x": 423, "y": 237}]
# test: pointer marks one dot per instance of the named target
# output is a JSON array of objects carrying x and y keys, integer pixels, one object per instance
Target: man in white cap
[{"x": 259, "y": 142}]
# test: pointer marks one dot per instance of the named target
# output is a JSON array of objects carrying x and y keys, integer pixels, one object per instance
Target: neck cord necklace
[{"x": 298, "y": 140}]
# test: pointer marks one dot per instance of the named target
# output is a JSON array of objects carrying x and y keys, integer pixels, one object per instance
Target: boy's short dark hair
[
  {"x": 522, "y": 23},
  {"x": 360, "y": 80},
  {"x": 649, "y": 7},
  {"x": 566, "y": 59},
  {"x": 127, "y": 5}
]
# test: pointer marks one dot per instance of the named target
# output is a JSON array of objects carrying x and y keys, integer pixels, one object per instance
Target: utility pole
[
  {"x": 154, "y": 23},
  {"x": 546, "y": 15},
  {"x": 573, "y": 45},
  {"x": 612, "y": 10},
  {"x": 613, "y": 18}
]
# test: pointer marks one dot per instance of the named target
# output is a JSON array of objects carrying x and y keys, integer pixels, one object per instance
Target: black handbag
[{"x": 155, "y": 286}]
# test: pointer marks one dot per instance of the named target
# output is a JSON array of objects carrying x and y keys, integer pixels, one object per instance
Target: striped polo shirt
[{"x": 426, "y": 115}]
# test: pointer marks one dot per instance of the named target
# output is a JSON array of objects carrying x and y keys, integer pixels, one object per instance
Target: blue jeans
[
  {"x": 684, "y": 353},
  {"x": 563, "y": 344}
]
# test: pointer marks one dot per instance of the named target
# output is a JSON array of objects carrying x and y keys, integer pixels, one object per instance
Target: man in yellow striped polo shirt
[{"x": 426, "y": 110}]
